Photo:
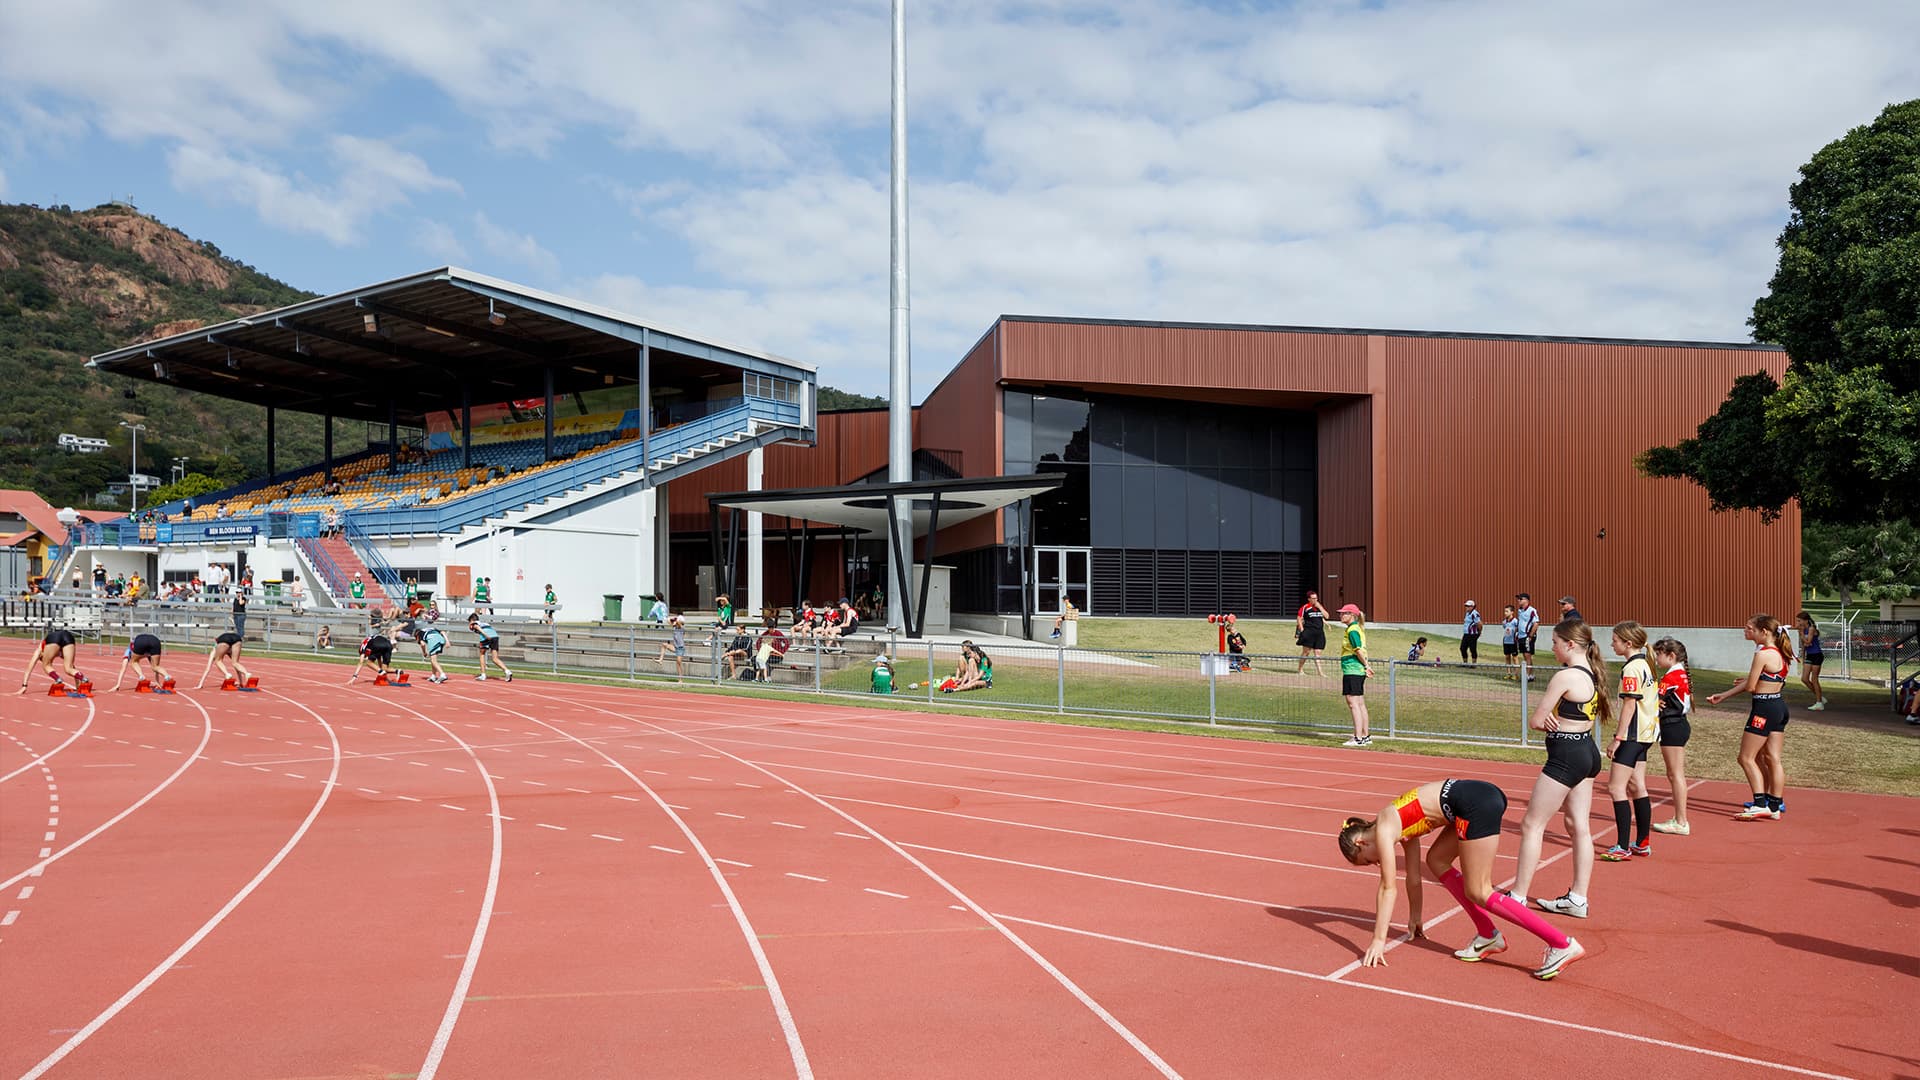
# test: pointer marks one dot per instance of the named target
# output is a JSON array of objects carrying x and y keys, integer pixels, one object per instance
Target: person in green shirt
[
  {"x": 483, "y": 594},
  {"x": 1354, "y": 669},
  {"x": 413, "y": 590},
  {"x": 882, "y": 675},
  {"x": 726, "y": 610},
  {"x": 551, "y": 601},
  {"x": 359, "y": 590}
]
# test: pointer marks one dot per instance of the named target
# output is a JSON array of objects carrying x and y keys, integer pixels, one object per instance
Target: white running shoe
[
  {"x": 1672, "y": 828},
  {"x": 1818, "y": 706},
  {"x": 1353, "y": 742},
  {"x": 482, "y": 676},
  {"x": 1555, "y": 960},
  {"x": 1564, "y": 905},
  {"x": 1757, "y": 812},
  {"x": 1481, "y": 948}
]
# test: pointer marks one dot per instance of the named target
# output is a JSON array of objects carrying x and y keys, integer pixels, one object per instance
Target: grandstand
[{"x": 551, "y": 428}]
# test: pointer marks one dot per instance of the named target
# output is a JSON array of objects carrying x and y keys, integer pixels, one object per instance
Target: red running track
[{"x": 492, "y": 880}]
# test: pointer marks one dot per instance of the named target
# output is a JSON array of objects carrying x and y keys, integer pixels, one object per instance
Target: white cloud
[
  {"x": 437, "y": 240},
  {"x": 372, "y": 177},
  {"x": 520, "y": 249}
]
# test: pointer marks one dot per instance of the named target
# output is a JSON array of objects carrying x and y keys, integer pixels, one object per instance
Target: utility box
[{"x": 610, "y": 605}]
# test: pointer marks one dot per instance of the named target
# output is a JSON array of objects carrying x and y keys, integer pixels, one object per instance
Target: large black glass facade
[{"x": 1189, "y": 507}]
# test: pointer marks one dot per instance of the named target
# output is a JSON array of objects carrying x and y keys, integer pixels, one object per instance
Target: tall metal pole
[{"x": 899, "y": 398}]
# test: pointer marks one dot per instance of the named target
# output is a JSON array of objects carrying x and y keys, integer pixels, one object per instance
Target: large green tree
[{"x": 1841, "y": 432}]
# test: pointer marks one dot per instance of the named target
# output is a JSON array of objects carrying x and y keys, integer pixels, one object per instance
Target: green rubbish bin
[{"x": 610, "y": 602}]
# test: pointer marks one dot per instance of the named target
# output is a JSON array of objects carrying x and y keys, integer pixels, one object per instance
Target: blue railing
[
  {"x": 131, "y": 534},
  {"x": 330, "y": 575},
  {"x": 500, "y": 498},
  {"x": 362, "y": 544}
]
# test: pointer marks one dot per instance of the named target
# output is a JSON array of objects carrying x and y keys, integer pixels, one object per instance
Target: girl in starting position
[
  {"x": 226, "y": 652},
  {"x": 1467, "y": 815}
]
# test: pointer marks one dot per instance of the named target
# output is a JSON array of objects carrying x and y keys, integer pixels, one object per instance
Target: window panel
[{"x": 1203, "y": 508}]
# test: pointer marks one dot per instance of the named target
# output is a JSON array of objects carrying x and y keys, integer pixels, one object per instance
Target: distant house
[
  {"x": 80, "y": 444},
  {"x": 30, "y": 523}
]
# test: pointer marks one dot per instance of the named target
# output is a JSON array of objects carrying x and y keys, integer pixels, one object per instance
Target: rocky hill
[{"x": 75, "y": 283}]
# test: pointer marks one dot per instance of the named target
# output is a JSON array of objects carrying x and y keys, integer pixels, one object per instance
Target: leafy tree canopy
[{"x": 1842, "y": 431}]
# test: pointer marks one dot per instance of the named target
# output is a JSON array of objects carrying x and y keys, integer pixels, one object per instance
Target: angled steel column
[{"x": 900, "y": 390}]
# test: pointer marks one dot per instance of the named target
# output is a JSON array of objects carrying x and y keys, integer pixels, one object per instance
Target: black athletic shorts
[
  {"x": 1353, "y": 686},
  {"x": 228, "y": 638},
  {"x": 145, "y": 645},
  {"x": 1675, "y": 732},
  {"x": 1631, "y": 753},
  {"x": 1571, "y": 759},
  {"x": 1314, "y": 637},
  {"x": 490, "y": 644},
  {"x": 1526, "y": 644},
  {"x": 1474, "y": 806},
  {"x": 1769, "y": 715},
  {"x": 1510, "y": 648},
  {"x": 61, "y": 638}
]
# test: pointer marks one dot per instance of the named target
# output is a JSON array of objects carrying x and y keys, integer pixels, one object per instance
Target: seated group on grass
[{"x": 975, "y": 671}]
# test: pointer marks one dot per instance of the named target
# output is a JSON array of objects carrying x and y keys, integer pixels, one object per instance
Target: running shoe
[
  {"x": 1481, "y": 948},
  {"x": 1644, "y": 851},
  {"x": 1353, "y": 742},
  {"x": 1555, "y": 960},
  {"x": 1672, "y": 828},
  {"x": 1818, "y": 706},
  {"x": 1757, "y": 813},
  {"x": 1366, "y": 740},
  {"x": 1564, "y": 905},
  {"x": 509, "y": 676},
  {"x": 482, "y": 676},
  {"x": 1616, "y": 853}
]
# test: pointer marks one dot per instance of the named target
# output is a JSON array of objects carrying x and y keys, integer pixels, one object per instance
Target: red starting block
[
  {"x": 380, "y": 679},
  {"x": 56, "y": 689},
  {"x": 145, "y": 687},
  {"x": 253, "y": 682},
  {"x": 166, "y": 687},
  {"x": 229, "y": 684},
  {"x": 402, "y": 680}
]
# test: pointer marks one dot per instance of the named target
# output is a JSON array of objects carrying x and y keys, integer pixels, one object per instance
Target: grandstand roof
[
  {"x": 863, "y": 507},
  {"x": 413, "y": 340}
]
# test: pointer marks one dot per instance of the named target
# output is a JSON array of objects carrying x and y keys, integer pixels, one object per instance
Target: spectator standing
[
  {"x": 1310, "y": 633},
  {"x": 99, "y": 580},
  {"x": 658, "y": 612},
  {"x": 358, "y": 589},
  {"x": 552, "y": 602},
  {"x": 413, "y": 590},
  {"x": 297, "y": 594},
  {"x": 76, "y": 579},
  {"x": 1529, "y": 630},
  {"x": 240, "y": 612},
  {"x": 1470, "y": 627},
  {"x": 1510, "y": 638},
  {"x": 1354, "y": 669},
  {"x": 1812, "y": 656},
  {"x": 483, "y": 595},
  {"x": 1569, "y": 609}
]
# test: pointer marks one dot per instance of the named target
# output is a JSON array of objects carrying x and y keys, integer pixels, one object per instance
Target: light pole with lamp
[
  {"x": 180, "y": 468},
  {"x": 133, "y": 478}
]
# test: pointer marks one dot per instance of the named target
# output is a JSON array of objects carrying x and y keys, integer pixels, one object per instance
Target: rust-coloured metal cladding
[
  {"x": 963, "y": 413},
  {"x": 848, "y": 445},
  {"x": 1247, "y": 360},
  {"x": 1505, "y": 460}
]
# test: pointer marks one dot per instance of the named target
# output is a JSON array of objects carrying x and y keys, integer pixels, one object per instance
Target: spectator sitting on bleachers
[
  {"x": 770, "y": 650},
  {"x": 739, "y": 654}
]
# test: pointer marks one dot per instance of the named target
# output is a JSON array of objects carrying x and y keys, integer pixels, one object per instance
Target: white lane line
[
  {"x": 604, "y": 836},
  {"x": 702, "y": 779},
  {"x": 852, "y": 835},
  {"x": 368, "y": 790},
  {"x": 556, "y": 828},
  {"x": 450, "y": 806},
  {"x": 626, "y": 798},
  {"x": 7, "y": 919},
  {"x": 81, "y": 1036},
  {"x": 736, "y": 817},
  {"x": 26, "y": 892},
  {"x": 206, "y": 733},
  {"x": 535, "y": 783},
  {"x": 805, "y": 877},
  {"x": 738, "y": 783},
  {"x": 733, "y": 862},
  {"x": 1511, "y": 1014},
  {"x": 408, "y": 798},
  {"x": 579, "y": 791},
  {"x": 295, "y": 775},
  {"x": 77, "y": 732},
  {"x": 668, "y": 850},
  {"x": 788, "y": 825},
  {"x": 883, "y": 892}
]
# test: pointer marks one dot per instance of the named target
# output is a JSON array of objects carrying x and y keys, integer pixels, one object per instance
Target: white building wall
[{"x": 606, "y": 548}]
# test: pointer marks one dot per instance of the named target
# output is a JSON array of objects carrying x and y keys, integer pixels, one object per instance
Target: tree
[
  {"x": 1879, "y": 561},
  {"x": 190, "y": 486},
  {"x": 1842, "y": 431}
]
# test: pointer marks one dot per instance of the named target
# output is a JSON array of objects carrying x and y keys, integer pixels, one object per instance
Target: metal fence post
[
  {"x": 1060, "y": 680},
  {"x": 1213, "y": 676},
  {"x": 819, "y": 658},
  {"x": 632, "y": 670},
  {"x": 554, "y": 640},
  {"x": 1393, "y": 698},
  {"x": 713, "y": 654},
  {"x": 929, "y": 672},
  {"x": 1524, "y": 679}
]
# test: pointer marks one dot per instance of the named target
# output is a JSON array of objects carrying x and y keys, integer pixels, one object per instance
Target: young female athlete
[
  {"x": 490, "y": 644},
  {"x": 1569, "y": 709},
  {"x": 144, "y": 648},
  {"x": 1676, "y": 702},
  {"x": 1766, "y": 734},
  {"x": 226, "y": 653},
  {"x": 55, "y": 644},
  {"x": 1637, "y": 730},
  {"x": 432, "y": 641},
  {"x": 377, "y": 650},
  {"x": 1812, "y": 656},
  {"x": 1467, "y": 814}
]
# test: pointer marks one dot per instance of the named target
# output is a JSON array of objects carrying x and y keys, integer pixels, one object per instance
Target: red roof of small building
[{"x": 38, "y": 512}]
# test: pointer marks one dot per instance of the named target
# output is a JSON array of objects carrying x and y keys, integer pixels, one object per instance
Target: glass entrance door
[{"x": 1062, "y": 572}]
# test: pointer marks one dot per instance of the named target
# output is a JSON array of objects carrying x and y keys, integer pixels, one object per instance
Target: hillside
[{"x": 77, "y": 283}]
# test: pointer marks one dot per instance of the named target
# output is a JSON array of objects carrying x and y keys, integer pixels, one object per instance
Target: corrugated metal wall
[
  {"x": 1345, "y": 488},
  {"x": 850, "y": 445},
  {"x": 1068, "y": 353},
  {"x": 1507, "y": 458},
  {"x": 963, "y": 413}
]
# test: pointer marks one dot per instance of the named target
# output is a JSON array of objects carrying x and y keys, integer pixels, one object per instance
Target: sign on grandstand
[{"x": 217, "y": 532}]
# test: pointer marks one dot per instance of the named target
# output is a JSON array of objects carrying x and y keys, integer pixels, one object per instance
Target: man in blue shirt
[
  {"x": 1529, "y": 617},
  {"x": 1470, "y": 626}
]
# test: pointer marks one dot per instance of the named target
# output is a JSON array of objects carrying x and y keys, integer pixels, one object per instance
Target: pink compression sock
[
  {"x": 1457, "y": 885},
  {"x": 1504, "y": 906}
]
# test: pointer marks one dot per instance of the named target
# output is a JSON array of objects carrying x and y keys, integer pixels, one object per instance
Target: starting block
[
  {"x": 253, "y": 683},
  {"x": 145, "y": 687},
  {"x": 402, "y": 680},
  {"x": 84, "y": 686},
  {"x": 165, "y": 687},
  {"x": 380, "y": 679},
  {"x": 229, "y": 684},
  {"x": 56, "y": 688}
]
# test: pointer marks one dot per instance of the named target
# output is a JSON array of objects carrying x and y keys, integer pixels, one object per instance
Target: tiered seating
[{"x": 421, "y": 479}]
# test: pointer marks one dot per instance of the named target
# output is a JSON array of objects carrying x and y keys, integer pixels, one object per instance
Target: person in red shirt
[
  {"x": 1676, "y": 705},
  {"x": 1310, "y": 633}
]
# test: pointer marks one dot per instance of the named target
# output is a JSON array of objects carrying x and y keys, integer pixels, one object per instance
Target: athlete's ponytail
[
  {"x": 1770, "y": 626},
  {"x": 1350, "y": 833},
  {"x": 1577, "y": 633},
  {"x": 1667, "y": 646}
]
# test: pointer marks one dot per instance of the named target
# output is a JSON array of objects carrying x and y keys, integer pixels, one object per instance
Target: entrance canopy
[
  {"x": 870, "y": 509},
  {"x": 864, "y": 508}
]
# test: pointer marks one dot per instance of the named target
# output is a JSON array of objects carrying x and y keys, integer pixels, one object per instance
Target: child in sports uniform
[
  {"x": 432, "y": 641},
  {"x": 1676, "y": 703},
  {"x": 1637, "y": 730},
  {"x": 1467, "y": 815},
  {"x": 56, "y": 644},
  {"x": 1572, "y": 706},
  {"x": 489, "y": 646},
  {"x": 1765, "y": 737},
  {"x": 1354, "y": 669},
  {"x": 226, "y": 653},
  {"x": 376, "y": 649},
  {"x": 143, "y": 649},
  {"x": 1510, "y": 638},
  {"x": 1812, "y": 656}
]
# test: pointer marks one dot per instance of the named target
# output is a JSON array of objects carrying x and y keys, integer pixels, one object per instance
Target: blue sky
[{"x": 1475, "y": 165}]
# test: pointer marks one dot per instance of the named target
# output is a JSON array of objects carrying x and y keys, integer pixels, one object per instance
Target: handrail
[
  {"x": 362, "y": 545},
  {"x": 331, "y": 579}
]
